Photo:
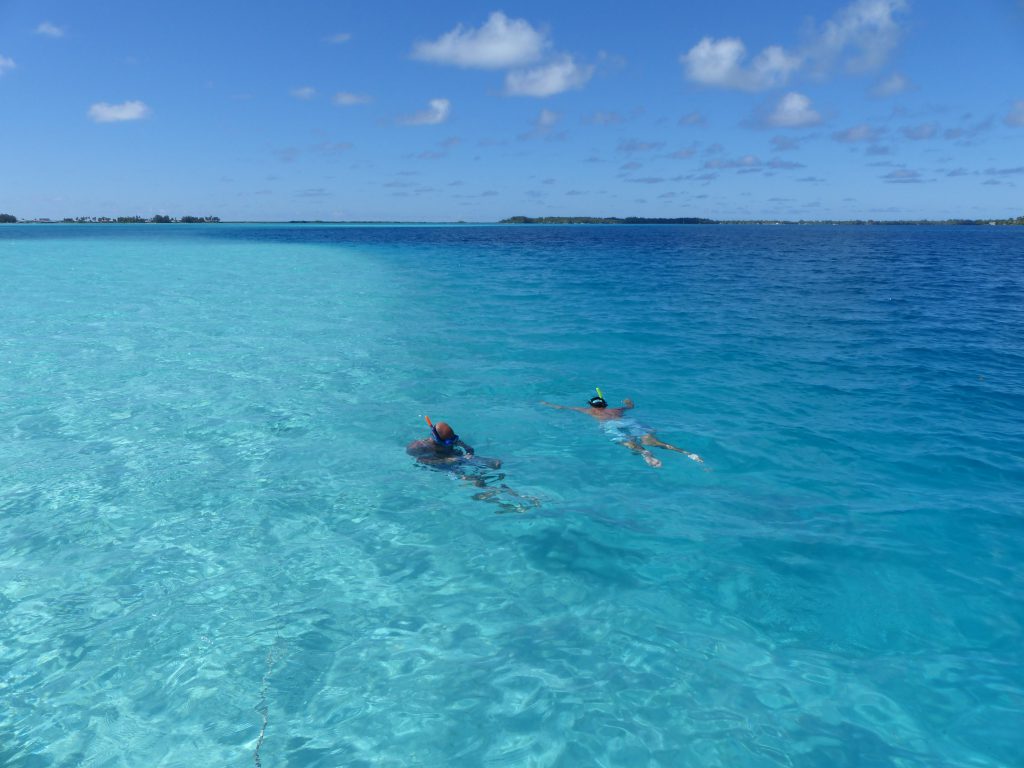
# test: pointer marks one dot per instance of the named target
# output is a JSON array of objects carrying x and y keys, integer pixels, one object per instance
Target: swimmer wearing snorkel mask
[
  {"x": 445, "y": 447},
  {"x": 626, "y": 431}
]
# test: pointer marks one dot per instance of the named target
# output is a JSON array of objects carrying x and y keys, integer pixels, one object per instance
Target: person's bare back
[{"x": 625, "y": 431}]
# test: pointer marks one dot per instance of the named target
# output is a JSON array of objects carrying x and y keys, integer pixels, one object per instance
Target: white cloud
[
  {"x": 793, "y": 111},
  {"x": 436, "y": 113},
  {"x": 1015, "y": 118},
  {"x": 49, "y": 30},
  {"x": 857, "y": 133},
  {"x": 500, "y": 43},
  {"x": 341, "y": 37},
  {"x": 542, "y": 126},
  {"x": 343, "y": 99},
  {"x": 560, "y": 75},
  {"x": 866, "y": 28},
  {"x": 864, "y": 32},
  {"x": 920, "y": 132},
  {"x": 604, "y": 118},
  {"x": 5, "y": 64},
  {"x": 304, "y": 93},
  {"x": 102, "y": 112},
  {"x": 890, "y": 86},
  {"x": 903, "y": 176},
  {"x": 547, "y": 118},
  {"x": 720, "y": 63},
  {"x": 747, "y": 161}
]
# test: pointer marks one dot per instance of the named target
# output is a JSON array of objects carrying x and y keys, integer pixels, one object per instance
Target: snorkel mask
[
  {"x": 447, "y": 443},
  {"x": 599, "y": 401}
]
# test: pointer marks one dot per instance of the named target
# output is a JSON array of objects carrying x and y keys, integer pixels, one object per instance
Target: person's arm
[
  {"x": 438, "y": 461},
  {"x": 627, "y": 404},
  {"x": 466, "y": 447},
  {"x": 563, "y": 407}
]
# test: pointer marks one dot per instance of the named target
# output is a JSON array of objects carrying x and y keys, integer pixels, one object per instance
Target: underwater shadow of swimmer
[
  {"x": 498, "y": 493},
  {"x": 493, "y": 489}
]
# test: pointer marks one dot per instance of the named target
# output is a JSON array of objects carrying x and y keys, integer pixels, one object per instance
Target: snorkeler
[
  {"x": 625, "y": 431},
  {"x": 445, "y": 450},
  {"x": 445, "y": 447}
]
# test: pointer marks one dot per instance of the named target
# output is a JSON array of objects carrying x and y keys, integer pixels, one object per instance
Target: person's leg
[
  {"x": 652, "y": 440},
  {"x": 635, "y": 447}
]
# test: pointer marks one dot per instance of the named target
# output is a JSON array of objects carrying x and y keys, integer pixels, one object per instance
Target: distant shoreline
[
  {"x": 630, "y": 220},
  {"x": 767, "y": 222}
]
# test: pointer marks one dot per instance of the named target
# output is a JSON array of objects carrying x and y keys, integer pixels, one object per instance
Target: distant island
[
  {"x": 1019, "y": 221},
  {"x": 598, "y": 220},
  {"x": 6, "y": 218}
]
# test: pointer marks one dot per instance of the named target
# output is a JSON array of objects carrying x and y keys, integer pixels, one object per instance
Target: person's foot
[
  {"x": 696, "y": 458},
  {"x": 651, "y": 461}
]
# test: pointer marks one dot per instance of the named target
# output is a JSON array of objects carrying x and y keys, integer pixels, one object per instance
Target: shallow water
[{"x": 215, "y": 551}]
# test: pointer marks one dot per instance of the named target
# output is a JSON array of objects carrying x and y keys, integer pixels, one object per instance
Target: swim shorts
[{"x": 624, "y": 430}]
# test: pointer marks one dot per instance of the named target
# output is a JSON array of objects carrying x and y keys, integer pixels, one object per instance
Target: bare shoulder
[{"x": 419, "y": 448}]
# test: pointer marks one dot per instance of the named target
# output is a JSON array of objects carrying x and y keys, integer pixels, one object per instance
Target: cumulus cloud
[
  {"x": 341, "y": 37},
  {"x": 562, "y": 74},
  {"x": 1014, "y": 119},
  {"x": 604, "y": 118},
  {"x": 719, "y": 63},
  {"x": 345, "y": 99},
  {"x": 865, "y": 32},
  {"x": 861, "y": 35},
  {"x": 5, "y": 64},
  {"x": 1004, "y": 171},
  {"x": 965, "y": 133},
  {"x": 890, "y": 86},
  {"x": 920, "y": 132},
  {"x": 793, "y": 111},
  {"x": 304, "y": 93},
  {"x": 46, "y": 29},
  {"x": 785, "y": 143},
  {"x": 500, "y": 43},
  {"x": 102, "y": 112},
  {"x": 333, "y": 147},
  {"x": 547, "y": 119},
  {"x": 857, "y": 133},
  {"x": 903, "y": 176},
  {"x": 747, "y": 161},
  {"x": 437, "y": 112},
  {"x": 635, "y": 145}
]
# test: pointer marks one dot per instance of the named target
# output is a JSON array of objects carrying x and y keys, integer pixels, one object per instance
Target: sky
[{"x": 449, "y": 111}]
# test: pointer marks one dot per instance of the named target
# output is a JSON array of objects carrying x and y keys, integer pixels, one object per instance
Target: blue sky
[{"x": 464, "y": 111}]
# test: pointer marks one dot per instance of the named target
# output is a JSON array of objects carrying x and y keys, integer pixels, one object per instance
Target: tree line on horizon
[
  {"x": 1018, "y": 221},
  {"x": 7, "y": 218}
]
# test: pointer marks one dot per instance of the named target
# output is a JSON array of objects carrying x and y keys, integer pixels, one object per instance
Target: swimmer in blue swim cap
[{"x": 624, "y": 430}]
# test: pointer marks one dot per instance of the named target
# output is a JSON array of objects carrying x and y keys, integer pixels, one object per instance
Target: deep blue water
[{"x": 215, "y": 551}]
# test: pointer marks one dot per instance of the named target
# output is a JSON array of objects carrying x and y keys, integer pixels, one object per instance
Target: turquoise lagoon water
[{"x": 214, "y": 550}]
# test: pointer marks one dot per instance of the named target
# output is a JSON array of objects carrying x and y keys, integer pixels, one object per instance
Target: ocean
[{"x": 214, "y": 549}]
